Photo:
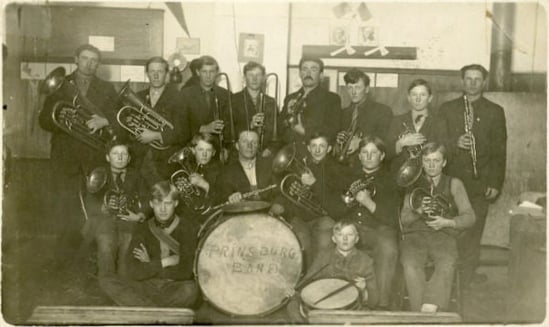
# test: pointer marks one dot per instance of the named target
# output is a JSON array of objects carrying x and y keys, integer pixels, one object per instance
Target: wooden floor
[{"x": 30, "y": 278}]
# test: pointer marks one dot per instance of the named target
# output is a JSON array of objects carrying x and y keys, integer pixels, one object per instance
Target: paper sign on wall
[{"x": 103, "y": 43}]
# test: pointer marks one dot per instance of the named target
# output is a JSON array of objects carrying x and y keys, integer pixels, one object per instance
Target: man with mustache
[{"x": 312, "y": 108}]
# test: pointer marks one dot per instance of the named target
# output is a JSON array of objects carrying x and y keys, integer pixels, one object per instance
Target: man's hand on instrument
[
  {"x": 355, "y": 142},
  {"x": 258, "y": 120},
  {"x": 147, "y": 136},
  {"x": 266, "y": 153},
  {"x": 214, "y": 127},
  {"x": 464, "y": 142},
  {"x": 491, "y": 193},
  {"x": 360, "y": 283},
  {"x": 365, "y": 199},
  {"x": 438, "y": 222},
  {"x": 198, "y": 180},
  {"x": 235, "y": 197},
  {"x": 172, "y": 260},
  {"x": 131, "y": 216},
  {"x": 299, "y": 128},
  {"x": 96, "y": 123},
  {"x": 412, "y": 139},
  {"x": 141, "y": 254},
  {"x": 308, "y": 179},
  {"x": 289, "y": 292}
]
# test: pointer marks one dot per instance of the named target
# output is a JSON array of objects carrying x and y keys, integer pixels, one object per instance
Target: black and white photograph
[{"x": 236, "y": 162}]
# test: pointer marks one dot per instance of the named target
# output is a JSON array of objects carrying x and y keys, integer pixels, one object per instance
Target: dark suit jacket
[
  {"x": 242, "y": 119},
  {"x": 322, "y": 113},
  {"x": 68, "y": 153},
  {"x": 169, "y": 106},
  {"x": 233, "y": 179},
  {"x": 490, "y": 133},
  {"x": 373, "y": 118},
  {"x": 434, "y": 129},
  {"x": 196, "y": 111}
]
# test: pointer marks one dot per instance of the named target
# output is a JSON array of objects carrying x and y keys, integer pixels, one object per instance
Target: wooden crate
[
  {"x": 65, "y": 315},
  {"x": 381, "y": 317}
]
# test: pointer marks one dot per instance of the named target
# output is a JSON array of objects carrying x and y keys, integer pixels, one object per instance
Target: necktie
[
  {"x": 354, "y": 117},
  {"x": 418, "y": 122},
  {"x": 208, "y": 95},
  {"x": 118, "y": 180}
]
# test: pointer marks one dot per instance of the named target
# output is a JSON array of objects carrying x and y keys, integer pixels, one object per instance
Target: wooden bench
[
  {"x": 65, "y": 315},
  {"x": 381, "y": 317}
]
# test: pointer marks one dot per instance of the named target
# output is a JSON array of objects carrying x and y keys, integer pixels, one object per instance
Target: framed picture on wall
[
  {"x": 367, "y": 35},
  {"x": 250, "y": 47}
]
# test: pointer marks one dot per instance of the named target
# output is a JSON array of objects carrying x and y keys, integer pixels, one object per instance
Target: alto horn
[
  {"x": 301, "y": 195},
  {"x": 411, "y": 169},
  {"x": 286, "y": 160},
  {"x": 192, "y": 195},
  {"x": 138, "y": 116},
  {"x": 71, "y": 117}
]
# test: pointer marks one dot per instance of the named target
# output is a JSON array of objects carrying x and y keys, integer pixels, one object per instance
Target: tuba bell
[
  {"x": 411, "y": 169},
  {"x": 71, "y": 117},
  {"x": 291, "y": 186},
  {"x": 137, "y": 116},
  {"x": 192, "y": 195},
  {"x": 432, "y": 204},
  {"x": 349, "y": 196}
]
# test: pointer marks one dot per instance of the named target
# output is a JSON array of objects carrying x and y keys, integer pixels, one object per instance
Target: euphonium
[
  {"x": 411, "y": 169},
  {"x": 137, "y": 116},
  {"x": 72, "y": 117},
  {"x": 291, "y": 186},
  {"x": 349, "y": 196},
  {"x": 192, "y": 195},
  {"x": 468, "y": 120}
]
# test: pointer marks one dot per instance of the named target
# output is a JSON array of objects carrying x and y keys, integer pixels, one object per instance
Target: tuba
[
  {"x": 349, "y": 196},
  {"x": 411, "y": 169},
  {"x": 71, "y": 117},
  {"x": 192, "y": 195},
  {"x": 137, "y": 116},
  {"x": 261, "y": 130},
  {"x": 291, "y": 186}
]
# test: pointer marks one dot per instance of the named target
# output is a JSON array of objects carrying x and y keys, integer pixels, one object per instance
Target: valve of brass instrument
[
  {"x": 349, "y": 196},
  {"x": 427, "y": 205},
  {"x": 118, "y": 203}
]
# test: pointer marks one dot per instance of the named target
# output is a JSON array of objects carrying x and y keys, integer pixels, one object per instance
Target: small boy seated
[
  {"x": 346, "y": 262},
  {"x": 161, "y": 258},
  {"x": 111, "y": 224}
]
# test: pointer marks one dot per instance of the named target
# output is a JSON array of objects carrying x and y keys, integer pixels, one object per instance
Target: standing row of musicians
[{"x": 202, "y": 109}]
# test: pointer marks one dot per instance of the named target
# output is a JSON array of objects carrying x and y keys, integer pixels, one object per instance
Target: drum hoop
[
  {"x": 201, "y": 243},
  {"x": 311, "y": 307}
]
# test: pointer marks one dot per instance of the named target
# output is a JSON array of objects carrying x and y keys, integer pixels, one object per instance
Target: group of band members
[{"x": 228, "y": 162}]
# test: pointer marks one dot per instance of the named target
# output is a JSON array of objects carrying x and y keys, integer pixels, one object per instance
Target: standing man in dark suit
[
  {"x": 247, "y": 173},
  {"x": 203, "y": 101},
  {"x": 164, "y": 99},
  {"x": 70, "y": 158},
  {"x": 311, "y": 109},
  {"x": 364, "y": 115},
  {"x": 249, "y": 102},
  {"x": 490, "y": 135}
]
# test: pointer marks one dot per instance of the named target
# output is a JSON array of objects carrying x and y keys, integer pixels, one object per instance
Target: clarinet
[{"x": 469, "y": 120}]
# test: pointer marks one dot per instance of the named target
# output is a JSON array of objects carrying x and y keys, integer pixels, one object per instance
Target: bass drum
[{"x": 247, "y": 262}]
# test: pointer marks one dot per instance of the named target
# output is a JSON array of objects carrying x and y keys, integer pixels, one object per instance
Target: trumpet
[
  {"x": 193, "y": 196},
  {"x": 217, "y": 116},
  {"x": 137, "y": 116},
  {"x": 72, "y": 117},
  {"x": 469, "y": 120},
  {"x": 262, "y": 107},
  {"x": 349, "y": 196},
  {"x": 411, "y": 169},
  {"x": 341, "y": 148},
  {"x": 295, "y": 108}
]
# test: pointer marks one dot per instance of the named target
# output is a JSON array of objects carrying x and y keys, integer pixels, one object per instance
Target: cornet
[
  {"x": 295, "y": 108},
  {"x": 349, "y": 196}
]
